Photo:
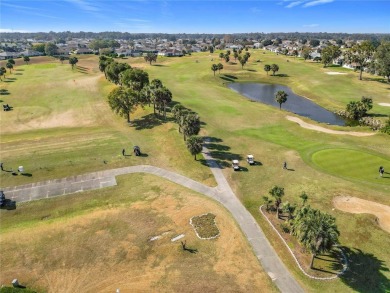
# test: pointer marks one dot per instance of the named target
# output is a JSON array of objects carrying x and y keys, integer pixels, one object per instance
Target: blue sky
[{"x": 202, "y": 16}]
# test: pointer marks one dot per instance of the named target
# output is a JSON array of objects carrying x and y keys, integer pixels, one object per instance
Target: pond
[{"x": 265, "y": 93}]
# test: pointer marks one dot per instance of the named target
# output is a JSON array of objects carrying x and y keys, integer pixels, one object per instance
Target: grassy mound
[
  {"x": 352, "y": 164},
  {"x": 205, "y": 226}
]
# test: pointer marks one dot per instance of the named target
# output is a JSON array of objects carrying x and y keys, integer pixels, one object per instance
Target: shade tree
[
  {"x": 151, "y": 57},
  {"x": 73, "y": 61},
  {"x": 267, "y": 68},
  {"x": 361, "y": 54},
  {"x": 274, "y": 68},
  {"x": 123, "y": 101},
  {"x": 214, "y": 68}
]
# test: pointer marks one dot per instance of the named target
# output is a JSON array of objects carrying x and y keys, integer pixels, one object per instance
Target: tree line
[
  {"x": 134, "y": 90},
  {"x": 53, "y": 36}
]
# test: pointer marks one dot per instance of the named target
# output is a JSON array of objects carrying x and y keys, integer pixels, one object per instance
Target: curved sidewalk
[{"x": 222, "y": 193}]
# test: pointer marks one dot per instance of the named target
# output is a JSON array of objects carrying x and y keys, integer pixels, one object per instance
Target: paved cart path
[{"x": 222, "y": 193}]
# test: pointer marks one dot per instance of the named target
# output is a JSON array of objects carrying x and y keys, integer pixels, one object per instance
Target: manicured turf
[
  {"x": 352, "y": 164},
  {"x": 93, "y": 141}
]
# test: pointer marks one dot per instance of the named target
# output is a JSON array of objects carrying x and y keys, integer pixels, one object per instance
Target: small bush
[{"x": 285, "y": 227}]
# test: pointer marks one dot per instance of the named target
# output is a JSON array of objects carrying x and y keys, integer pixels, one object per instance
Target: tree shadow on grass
[
  {"x": 230, "y": 76},
  {"x": 252, "y": 70},
  {"x": 227, "y": 79},
  {"x": 19, "y": 69},
  {"x": 147, "y": 122},
  {"x": 4, "y": 92},
  {"x": 219, "y": 152},
  {"x": 18, "y": 73},
  {"x": 160, "y": 65},
  {"x": 365, "y": 272},
  {"x": 281, "y": 75}
]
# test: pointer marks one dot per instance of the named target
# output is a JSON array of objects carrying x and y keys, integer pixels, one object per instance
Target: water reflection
[{"x": 265, "y": 93}]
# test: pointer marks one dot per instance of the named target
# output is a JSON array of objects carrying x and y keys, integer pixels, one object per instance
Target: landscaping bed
[
  {"x": 205, "y": 226},
  {"x": 324, "y": 265}
]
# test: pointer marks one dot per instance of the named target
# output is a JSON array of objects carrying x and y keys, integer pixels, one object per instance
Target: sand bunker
[
  {"x": 334, "y": 73},
  {"x": 361, "y": 206},
  {"x": 326, "y": 130},
  {"x": 384, "y": 104}
]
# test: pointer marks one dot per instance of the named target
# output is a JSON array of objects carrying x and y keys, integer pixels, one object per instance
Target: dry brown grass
[{"x": 105, "y": 249}]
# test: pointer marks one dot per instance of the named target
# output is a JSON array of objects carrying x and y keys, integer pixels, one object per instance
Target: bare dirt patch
[
  {"x": 70, "y": 118},
  {"x": 326, "y": 130},
  {"x": 361, "y": 206}
]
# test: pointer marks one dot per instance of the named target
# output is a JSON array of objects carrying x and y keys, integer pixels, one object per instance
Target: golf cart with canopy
[
  {"x": 235, "y": 165},
  {"x": 250, "y": 160}
]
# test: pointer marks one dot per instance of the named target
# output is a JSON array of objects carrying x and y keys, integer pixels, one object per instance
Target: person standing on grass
[
  {"x": 381, "y": 171},
  {"x": 285, "y": 165},
  {"x": 123, "y": 152},
  {"x": 1, "y": 166}
]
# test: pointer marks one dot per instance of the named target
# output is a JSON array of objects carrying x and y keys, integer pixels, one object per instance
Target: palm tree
[
  {"x": 190, "y": 125},
  {"x": 177, "y": 112},
  {"x": 267, "y": 68},
  {"x": 162, "y": 96},
  {"x": 274, "y": 68},
  {"x": 289, "y": 209},
  {"x": 214, "y": 68},
  {"x": 221, "y": 55},
  {"x": 227, "y": 58},
  {"x": 281, "y": 97},
  {"x": 315, "y": 230},
  {"x": 26, "y": 59},
  {"x": 267, "y": 201},
  {"x": 9, "y": 66},
  {"x": 220, "y": 67},
  {"x": 194, "y": 145},
  {"x": 277, "y": 193},
  {"x": 150, "y": 90}
]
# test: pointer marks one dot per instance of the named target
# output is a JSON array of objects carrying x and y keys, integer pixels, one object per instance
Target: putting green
[{"x": 352, "y": 164}]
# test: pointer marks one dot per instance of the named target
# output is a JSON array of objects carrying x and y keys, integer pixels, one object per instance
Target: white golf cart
[
  {"x": 250, "y": 159},
  {"x": 235, "y": 165}
]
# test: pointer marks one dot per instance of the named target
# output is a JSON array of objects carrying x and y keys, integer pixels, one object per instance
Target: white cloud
[
  {"x": 293, "y": 4},
  {"x": 316, "y": 2},
  {"x": 303, "y": 3},
  {"x": 136, "y": 20},
  {"x": 85, "y": 5},
  {"x": 311, "y": 25}
]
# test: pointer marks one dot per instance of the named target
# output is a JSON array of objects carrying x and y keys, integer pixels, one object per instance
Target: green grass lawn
[
  {"x": 238, "y": 126},
  {"x": 352, "y": 164}
]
